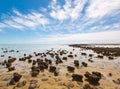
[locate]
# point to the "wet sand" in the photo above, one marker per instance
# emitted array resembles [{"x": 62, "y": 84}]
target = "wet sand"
[{"x": 47, "y": 80}]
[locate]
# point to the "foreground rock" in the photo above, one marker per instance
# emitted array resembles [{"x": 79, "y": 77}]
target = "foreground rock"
[
  {"x": 93, "y": 78},
  {"x": 16, "y": 78},
  {"x": 77, "y": 77}
]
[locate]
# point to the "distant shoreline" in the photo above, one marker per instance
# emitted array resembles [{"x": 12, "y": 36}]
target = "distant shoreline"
[{"x": 106, "y": 51}]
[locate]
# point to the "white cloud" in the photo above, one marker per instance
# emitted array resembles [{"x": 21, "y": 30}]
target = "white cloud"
[
  {"x": 68, "y": 17},
  {"x": 24, "y": 21},
  {"x": 111, "y": 27},
  {"x": 100, "y": 8},
  {"x": 71, "y": 9},
  {"x": 13, "y": 24}
]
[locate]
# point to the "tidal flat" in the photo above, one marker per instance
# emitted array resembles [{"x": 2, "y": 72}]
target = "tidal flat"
[{"x": 75, "y": 66}]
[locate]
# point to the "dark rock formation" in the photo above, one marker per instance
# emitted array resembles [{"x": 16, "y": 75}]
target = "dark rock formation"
[
  {"x": 70, "y": 55},
  {"x": 83, "y": 54},
  {"x": 93, "y": 78},
  {"x": 77, "y": 77},
  {"x": 100, "y": 56},
  {"x": 64, "y": 58},
  {"x": 90, "y": 60},
  {"x": 76, "y": 63},
  {"x": 16, "y": 76},
  {"x": 84, "y": 64},
  {"x": 8, "y": 65},
  {"x": 52, "y": 69},
  {"x": 35, "y": 71},
  {"x": 70, "y": 69},
  {"x": 29, "y": 61},
  {"x": 11, "y": 68}
]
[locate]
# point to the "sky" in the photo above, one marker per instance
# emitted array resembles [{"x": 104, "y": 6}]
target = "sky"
[{"x": 59, "y": 21}]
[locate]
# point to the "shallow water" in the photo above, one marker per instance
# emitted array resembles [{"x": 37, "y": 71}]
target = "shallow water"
[
  {"x": 27, "y": 49},
  {"x": 105, "y": 66}
]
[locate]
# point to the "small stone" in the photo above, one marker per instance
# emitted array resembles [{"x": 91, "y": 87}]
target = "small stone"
[
  {"x": 117, "y": 81},
  {"x": 33, "y": 81},
  {"x": 110, "y": 74},
  {"x": 32, "y": 86},
  {"x": 70, "y": 85},
  {"x": 12, "y": 82},
  {"x": 21, "y": 84},
  {"x": 44, "y": 79},
  {"x": 87, "y": 86}
]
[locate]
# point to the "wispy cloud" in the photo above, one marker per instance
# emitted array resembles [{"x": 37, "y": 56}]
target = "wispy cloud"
[
  {"x": 71, "y": 9},
  {"x": 72, "y": 17},
  {"x": 24, "y": 21},
  {"x": 100, "y": 8}
]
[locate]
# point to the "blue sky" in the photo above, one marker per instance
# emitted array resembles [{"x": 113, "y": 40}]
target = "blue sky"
[{"x": 59, "y": 21}]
